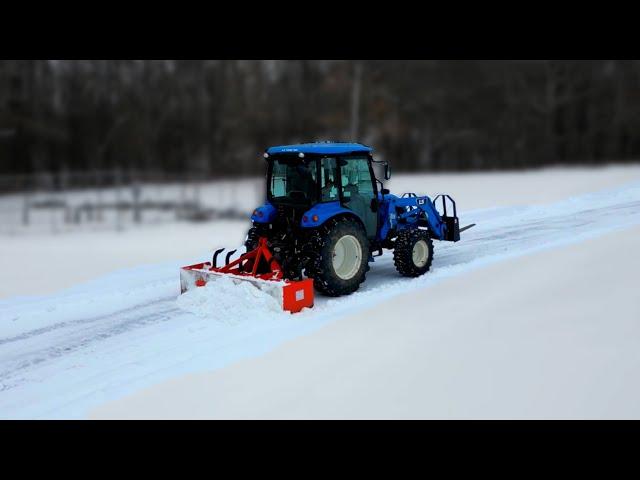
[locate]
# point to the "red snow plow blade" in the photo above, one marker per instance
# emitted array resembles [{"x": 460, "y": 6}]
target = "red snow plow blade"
[{"x": 293, "y": 296}]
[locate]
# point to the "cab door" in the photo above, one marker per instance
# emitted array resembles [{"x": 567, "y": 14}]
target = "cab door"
[{"x": 358, "y": 191}]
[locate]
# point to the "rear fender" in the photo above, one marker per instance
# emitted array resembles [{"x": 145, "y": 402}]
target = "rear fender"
[
  {"x": 264, "y": 213},
  {"x": 320, "y": 213}
]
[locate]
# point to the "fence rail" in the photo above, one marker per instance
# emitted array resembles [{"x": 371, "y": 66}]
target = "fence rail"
[{"x": 116, "y": 199}]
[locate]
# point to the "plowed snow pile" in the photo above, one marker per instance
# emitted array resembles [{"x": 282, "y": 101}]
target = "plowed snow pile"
[{"x": 226, "y": 301}]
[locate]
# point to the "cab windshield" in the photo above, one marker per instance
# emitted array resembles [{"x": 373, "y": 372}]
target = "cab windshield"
[{"x": 293, "y": 181}]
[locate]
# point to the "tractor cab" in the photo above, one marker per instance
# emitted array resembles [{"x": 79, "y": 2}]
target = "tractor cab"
[{"x": 316, "y": 180}]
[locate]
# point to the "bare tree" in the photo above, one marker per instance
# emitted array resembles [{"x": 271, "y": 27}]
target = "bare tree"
[{"x": 215, "y": 116}]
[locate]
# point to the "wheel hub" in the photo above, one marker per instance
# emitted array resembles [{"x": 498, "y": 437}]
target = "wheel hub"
[
  {"x": 347, "y": 255},
  {"x": 420, "y": 253}
]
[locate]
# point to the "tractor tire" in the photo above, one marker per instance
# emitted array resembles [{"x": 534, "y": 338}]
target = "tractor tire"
[
  {"x": 413, "y": 253},
  {"x": 341, "y": 258}
]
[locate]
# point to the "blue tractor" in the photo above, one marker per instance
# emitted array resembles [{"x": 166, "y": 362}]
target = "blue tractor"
[{"x": 327, "y": 216}]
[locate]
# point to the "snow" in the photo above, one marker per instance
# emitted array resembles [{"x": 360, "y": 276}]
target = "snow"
[
  {"x": 46, "y": 264},
  {"x": 67, "y": 258},
  {"x": 63, "y": 354},
  {"x": 507, "y": 341},
  {"x": 516, "y": 188},
  {"x": 217, "y": 298}
]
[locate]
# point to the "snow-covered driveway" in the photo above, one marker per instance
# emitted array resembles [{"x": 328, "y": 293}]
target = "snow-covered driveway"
[{"x": 63, "y": 354}]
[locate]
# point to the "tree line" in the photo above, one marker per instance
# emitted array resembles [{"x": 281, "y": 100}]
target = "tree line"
[{"x": 215, "y": 117}]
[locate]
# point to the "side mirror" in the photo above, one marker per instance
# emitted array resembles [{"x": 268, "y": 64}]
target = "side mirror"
[
  {"x": 387, "y": 172},
  {"x": 386, "y": 191}
]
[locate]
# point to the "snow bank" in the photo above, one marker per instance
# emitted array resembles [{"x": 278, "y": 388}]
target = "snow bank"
[
  {"x": 230, "y": 302},
  {"x": 47, "y": 264}
]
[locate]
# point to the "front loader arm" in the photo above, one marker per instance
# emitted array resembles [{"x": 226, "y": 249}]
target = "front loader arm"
[{"x": 420, "y": 210}]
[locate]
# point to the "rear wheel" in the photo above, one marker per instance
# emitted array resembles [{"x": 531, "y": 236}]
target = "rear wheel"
[
  {"x": 341, "y": 258},
  {"x": 413, "y": 253}
]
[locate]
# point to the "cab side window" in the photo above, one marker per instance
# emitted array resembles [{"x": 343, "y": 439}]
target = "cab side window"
[
  {"x": 356, "y": 178},
  {"x": 358, "y": 191},
  {"x": 328, "y": 179}
]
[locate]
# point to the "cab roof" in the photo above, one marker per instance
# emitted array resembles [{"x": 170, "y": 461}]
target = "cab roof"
[{"x": 321, "y": 148}]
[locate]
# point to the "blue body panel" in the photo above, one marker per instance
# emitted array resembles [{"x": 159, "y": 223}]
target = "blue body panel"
[
  {"x": 321, "y": 148},
  {"x": 324, "y": 211},
  {"x": 264, "y": 213}
]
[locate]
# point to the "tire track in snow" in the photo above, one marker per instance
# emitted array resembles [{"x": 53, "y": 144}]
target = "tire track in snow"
[
  {"x": 68, "y": 337},
  {"x": 74, "y": 323}
]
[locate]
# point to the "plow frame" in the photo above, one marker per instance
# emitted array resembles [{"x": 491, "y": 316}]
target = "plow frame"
[{"x": 293, "y": 296}]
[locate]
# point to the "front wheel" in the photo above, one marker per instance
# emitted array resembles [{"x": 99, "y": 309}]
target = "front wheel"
[
  {"x": 413, "y": 253},
  {"x": 341, "y": 258}
]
